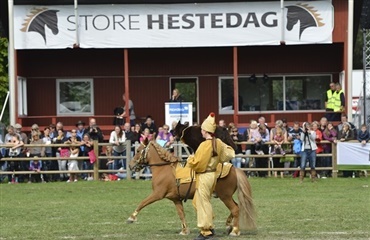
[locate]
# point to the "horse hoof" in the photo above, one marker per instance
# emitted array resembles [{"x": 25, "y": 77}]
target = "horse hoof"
[
  {"x": 130, "y": 220},
  {"x": 234, "y": 234},
  {"x": 185, "y": 232},
  {"x": 228, "y": 230}
]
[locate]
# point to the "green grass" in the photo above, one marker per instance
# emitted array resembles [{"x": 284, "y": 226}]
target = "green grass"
[{"x": 328, "y": 209}]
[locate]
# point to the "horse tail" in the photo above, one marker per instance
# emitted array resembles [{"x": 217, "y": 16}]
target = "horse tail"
[{"x": 247, "y": 214}]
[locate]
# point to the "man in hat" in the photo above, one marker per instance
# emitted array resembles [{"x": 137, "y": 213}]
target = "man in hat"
[
  {"x": 204, "y": 162},
  {"x": 18, "y": 129}
]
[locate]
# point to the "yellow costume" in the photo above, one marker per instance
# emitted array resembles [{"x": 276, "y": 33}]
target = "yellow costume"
[{"x": 204, "y": 163}]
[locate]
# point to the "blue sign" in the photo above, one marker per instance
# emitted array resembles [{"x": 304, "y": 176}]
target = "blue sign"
[{"x": 179, "y": 108}]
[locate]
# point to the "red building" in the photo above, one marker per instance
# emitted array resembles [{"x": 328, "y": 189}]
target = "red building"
[{"x": 58, "y": 83}]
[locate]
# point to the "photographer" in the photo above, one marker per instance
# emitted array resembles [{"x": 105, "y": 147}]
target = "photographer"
[
  {"x": 118, "y": 138},
  {"x": 94, "y": 131},
  {"x": 308, "y": 138}
]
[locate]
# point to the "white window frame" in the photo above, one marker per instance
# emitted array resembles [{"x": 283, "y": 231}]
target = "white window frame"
[
  {"x": 230, "y": 112},
  {"x": 91, "y": 81}
]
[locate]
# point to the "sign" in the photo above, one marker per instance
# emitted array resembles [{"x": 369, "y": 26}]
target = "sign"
[
  {"x": 178, "y": 111},
  {"x": 173, "y": 25},
  {"x": 353, "y": 156}
]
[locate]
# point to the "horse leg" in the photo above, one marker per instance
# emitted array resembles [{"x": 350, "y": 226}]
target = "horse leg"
[
  {"x": 232, "y": 222},
  {"x": 148, "y": 200},
  {"x": 180, "y": 211}
]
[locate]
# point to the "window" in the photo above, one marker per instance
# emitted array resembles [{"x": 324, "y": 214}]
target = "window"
[
  {"x": 75, "y": 97},
  {"x": 274, "y": 93}
]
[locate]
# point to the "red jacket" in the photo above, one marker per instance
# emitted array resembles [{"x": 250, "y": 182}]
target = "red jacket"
[{"x": 318, "y": 140}]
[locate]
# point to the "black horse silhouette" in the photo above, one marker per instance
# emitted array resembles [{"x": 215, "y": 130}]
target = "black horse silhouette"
[
  {"x": 305, "y": 15},
  {"x": 38, "y": 19}
]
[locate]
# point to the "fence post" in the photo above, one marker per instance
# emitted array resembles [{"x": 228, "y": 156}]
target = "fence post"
[
  {"x": 96, "y": 163},
  {"x": 128, "y": 159},
  {"x": 334, "y": 160}
]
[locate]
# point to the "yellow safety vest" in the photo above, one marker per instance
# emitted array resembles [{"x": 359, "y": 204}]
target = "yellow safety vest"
[
  {"x": 330, "y": 103},
  {"x": 337, "y": 102}
]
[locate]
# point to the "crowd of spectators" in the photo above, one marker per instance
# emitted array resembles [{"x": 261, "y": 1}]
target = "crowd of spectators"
[{"x": 81, "y": 138}]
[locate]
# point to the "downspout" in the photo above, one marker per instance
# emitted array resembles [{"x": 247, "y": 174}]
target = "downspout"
[
  {"x": 127, "y": 92},
  {"x": 349, "y": 59},
  {"x": 236, "y": 85},
  {"x": 77, "y": 44},
  {"x": 282, "y": 39},
  {"x": 11, "y": 65}
]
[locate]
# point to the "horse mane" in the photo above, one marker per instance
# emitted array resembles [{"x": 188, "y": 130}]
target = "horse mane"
[
  {"x": 164, "y": 154},
  {"x": 314, "y": 13},
  {"x": 34, "y": 11}
]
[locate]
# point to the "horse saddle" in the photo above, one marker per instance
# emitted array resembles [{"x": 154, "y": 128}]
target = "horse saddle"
[{"x": 184, "y": 174}]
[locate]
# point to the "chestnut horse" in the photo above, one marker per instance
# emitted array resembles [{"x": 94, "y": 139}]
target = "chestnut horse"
[{"x": 164, "y": 185}]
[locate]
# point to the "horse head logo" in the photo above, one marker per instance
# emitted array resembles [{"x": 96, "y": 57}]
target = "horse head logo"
[
  {"x": 305, "y": 14},
  {"x": 38, "y": 19}
]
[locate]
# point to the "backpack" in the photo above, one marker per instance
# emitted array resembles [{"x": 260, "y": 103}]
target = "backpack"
[{"x": 297, "y": 146}]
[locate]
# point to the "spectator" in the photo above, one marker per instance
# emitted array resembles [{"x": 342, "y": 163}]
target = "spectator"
[
  {"x": 344, "y": 119},
  {"x": 94, "y": 131},
  {"x": 47, "y": 164},
  {"x": 237, "y": 160},
  {"x": 265, "y": 136},
  {"x": 176, "y": 96},
  {"x": 80, "y": 131},
  {"x": 173, "y": 127},
  {"x": 62, "y": 153},
  {"x": 137, "y": 132},
  {"x": 294, "y": 136},
  {"x": 35, "y": 165},
  {"x": 222, "y": 123},
  {"x": 323, "y": 124},
  {"x": 346, "y": 134},
  {"x": 278, "y": 140},
  {"x": 329, "y": 102},
  {"x": 61, "y": 126},
  {"x": 72, "y": 161},
  {"x": 254, "y": 136},
  {"x": 166, "y": 137},
  {"x": 88, "y": 144},
  {"x": 131, "y": 110},
  {"x": 53, "y": 131},
  {"x": 309, "y": 147},
  {"x": 130, "y": 135},
  {"x": 329, "y": 134},
  {"x": 118, "y": 138},
  {"x": 18, "y": 130},
  {"x": 319, "y": 160},
  {"x": 16, "y": 145},
  {"x": 149, "y": 124},
  {"x": 284, "y": 136},
  {"x": 34, "y": 130},
  {"x": 363, "y": 136},
  {"x": 36, "y": 151},
  {"x": 262, "y": 121}
]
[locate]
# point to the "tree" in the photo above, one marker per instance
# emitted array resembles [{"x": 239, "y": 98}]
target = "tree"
[{"x": 4, "y": 82}]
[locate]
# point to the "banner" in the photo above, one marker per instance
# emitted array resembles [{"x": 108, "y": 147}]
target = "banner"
[
  {"x": 173, "y": 25},
  {"x": 178, "y": 111},
  {"x": 353, "y": 156}
]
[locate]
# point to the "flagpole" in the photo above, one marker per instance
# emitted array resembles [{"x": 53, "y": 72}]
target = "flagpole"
[
  {"x": 282, "y": 40},
  {"x": 77, "y": 44}
]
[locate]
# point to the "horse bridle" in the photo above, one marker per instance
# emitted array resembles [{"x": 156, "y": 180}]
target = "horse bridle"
[{"x": 142, "y": 161}]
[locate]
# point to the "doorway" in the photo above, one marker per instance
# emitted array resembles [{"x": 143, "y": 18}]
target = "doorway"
[{"x": 188, "y": 87}]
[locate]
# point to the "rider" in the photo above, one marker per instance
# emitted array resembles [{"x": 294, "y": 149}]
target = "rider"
[{"x": 204, "y": 163}]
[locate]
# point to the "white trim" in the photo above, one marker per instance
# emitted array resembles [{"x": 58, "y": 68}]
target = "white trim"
[{"x": 58, "y": 110}]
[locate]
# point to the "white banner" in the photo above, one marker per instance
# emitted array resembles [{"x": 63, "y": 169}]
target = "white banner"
[
  {"x": 173, "y": 25},
  {"x": 353, "y": 156},
  {"x": 178, "y": 111}
]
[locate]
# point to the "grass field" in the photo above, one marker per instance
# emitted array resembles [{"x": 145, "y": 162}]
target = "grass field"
[{"x": 328, "y": 209}]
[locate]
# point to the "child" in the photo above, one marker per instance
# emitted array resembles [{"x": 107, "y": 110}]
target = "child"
[
  {"x": 73, "y": 164},
  {"x": 255, "y": 137},
  {"x": 278, "y": 141},
  {"x": 363, "y": 136},
  {"x": 36, "y": 166}
]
